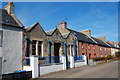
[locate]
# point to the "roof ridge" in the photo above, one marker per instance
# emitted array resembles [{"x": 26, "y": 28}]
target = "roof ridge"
[
  {"x": 91, "y": 38},
  {"x": 30, "y": 27},
  {"x": 17, "y": 20},
  {"x": 50, "y": 30}
]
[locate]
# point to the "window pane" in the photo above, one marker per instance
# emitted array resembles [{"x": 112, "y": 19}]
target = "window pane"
[
  {"x": 34, "y": 47},
  {"x": 39, "y": 48}
]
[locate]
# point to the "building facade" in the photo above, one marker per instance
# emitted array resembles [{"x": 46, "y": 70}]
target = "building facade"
[{"x": 10, "y": 40}]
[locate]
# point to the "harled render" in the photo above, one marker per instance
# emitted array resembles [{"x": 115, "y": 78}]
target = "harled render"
[{"x": 10, "y": 40}]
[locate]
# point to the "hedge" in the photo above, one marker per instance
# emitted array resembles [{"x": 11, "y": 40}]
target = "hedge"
[{"x": 102, "y": 58}]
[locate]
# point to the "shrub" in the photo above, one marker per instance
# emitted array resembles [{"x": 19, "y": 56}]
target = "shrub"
[
  {"x": 102, "y": 58},
  {"x": 99, "y": 58},
  {"x": 109, "y": 57},
  {"x": 96, "y": 58},
  {"x": 117, "y": 54}
]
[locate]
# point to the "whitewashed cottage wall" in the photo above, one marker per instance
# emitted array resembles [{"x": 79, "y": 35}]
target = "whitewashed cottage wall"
[{"x": 12, "y": 49}]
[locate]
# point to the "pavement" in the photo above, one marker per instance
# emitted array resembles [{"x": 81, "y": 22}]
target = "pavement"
[{"x": 105, "y": 70}]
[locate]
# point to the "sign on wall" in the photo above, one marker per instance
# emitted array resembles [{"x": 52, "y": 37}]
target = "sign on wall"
[{"x": 1, "y": 37}]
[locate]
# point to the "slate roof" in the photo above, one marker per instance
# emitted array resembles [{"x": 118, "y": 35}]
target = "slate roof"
[
  {"x": 31, "y": 27},
  {"x": 10, "y": 20},
  {"x": 50, "y": 32},
  {"x": 112, "y": 46},
  {"x": 82, "y": 37},
  {"x": 100, "y": 42},
  {"x": 65, "y": 35}
]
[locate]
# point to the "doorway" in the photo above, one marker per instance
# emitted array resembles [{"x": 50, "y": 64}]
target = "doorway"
[
  {"x": 90, "y": 56},
  {"x": 56, "y": 52}
]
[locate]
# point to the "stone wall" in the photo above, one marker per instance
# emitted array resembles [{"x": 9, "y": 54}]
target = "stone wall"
[{"x": 37, "y": 34}]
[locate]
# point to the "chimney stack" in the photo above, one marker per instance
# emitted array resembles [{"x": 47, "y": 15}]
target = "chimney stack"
[
  {"x": 9, "y": 7},
  {"x": 87, "y": 32},
  {"x": 62, "y": 25},
  {"x": 110, "y": 42},
  {"x": 102, "y": 38}
]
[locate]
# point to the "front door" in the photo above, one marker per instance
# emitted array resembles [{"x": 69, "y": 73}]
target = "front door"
[{"x": 56, "y": 52}]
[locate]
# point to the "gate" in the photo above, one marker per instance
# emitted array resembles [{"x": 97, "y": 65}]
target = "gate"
[{"x": 67, "y": 62}]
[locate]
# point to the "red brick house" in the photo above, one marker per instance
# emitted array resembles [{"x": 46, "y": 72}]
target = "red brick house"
[
  {"x": 86, "y": 44},
  {"x": 104, "y": 49}
]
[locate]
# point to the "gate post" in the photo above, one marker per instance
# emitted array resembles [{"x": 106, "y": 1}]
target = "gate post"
[
  {"x": 85, "y": 58},
  {"x": 34, "y": 66},
  {"x": 71, "y": 62},
  {"x": 64, "y": 62},
  {"x": 64, "y": 57}
]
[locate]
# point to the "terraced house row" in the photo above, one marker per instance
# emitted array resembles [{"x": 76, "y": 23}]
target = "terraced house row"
[
  {"x": 63, "y": 40},
  {"x": 18, "y": 43}
]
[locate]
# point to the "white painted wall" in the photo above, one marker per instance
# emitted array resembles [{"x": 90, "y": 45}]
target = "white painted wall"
[
  {"x": 113, "y": 50},
  {"x": 72, "y": 62},
  {"x": 50, "y": 68},
  {"x": 27, "y": 68},
  {"x": 11, "y": 49},
  {"x": 34, "y": 66},
  {"x": 79, "y": 63}
]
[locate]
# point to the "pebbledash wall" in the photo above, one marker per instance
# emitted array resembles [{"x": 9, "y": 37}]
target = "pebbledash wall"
[{"x": 11, "y": 49}]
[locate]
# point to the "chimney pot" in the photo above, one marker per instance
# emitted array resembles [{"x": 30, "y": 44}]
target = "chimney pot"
[{"x": 9, "y": 7}]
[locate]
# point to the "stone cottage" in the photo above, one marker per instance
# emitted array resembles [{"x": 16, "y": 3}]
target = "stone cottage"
[{"x": 51, "y": 44}]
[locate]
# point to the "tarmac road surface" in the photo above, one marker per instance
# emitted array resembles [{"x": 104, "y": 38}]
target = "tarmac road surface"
[{"x": 106, "y": 70}]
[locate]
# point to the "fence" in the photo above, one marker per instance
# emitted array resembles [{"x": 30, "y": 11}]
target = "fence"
[
  {"x": 17, "y": 76},
  {"x": 78, "y": 58},
  {"x": 57, "y": 64},
  {"x": 53, "y": 59}
]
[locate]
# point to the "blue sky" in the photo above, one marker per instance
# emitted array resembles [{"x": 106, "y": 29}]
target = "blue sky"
[{"x": 100, "y": 17}]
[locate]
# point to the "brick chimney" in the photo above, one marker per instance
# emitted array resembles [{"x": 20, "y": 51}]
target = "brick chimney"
[
  {"x": 102, "y": 38},
  {"x": 87, "y": 32},
  {"x": 62, "y": 25},
  {"x": 9, "y": 7}
]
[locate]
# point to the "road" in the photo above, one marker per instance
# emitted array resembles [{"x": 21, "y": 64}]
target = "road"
[{"x": 106, "y": 70}]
